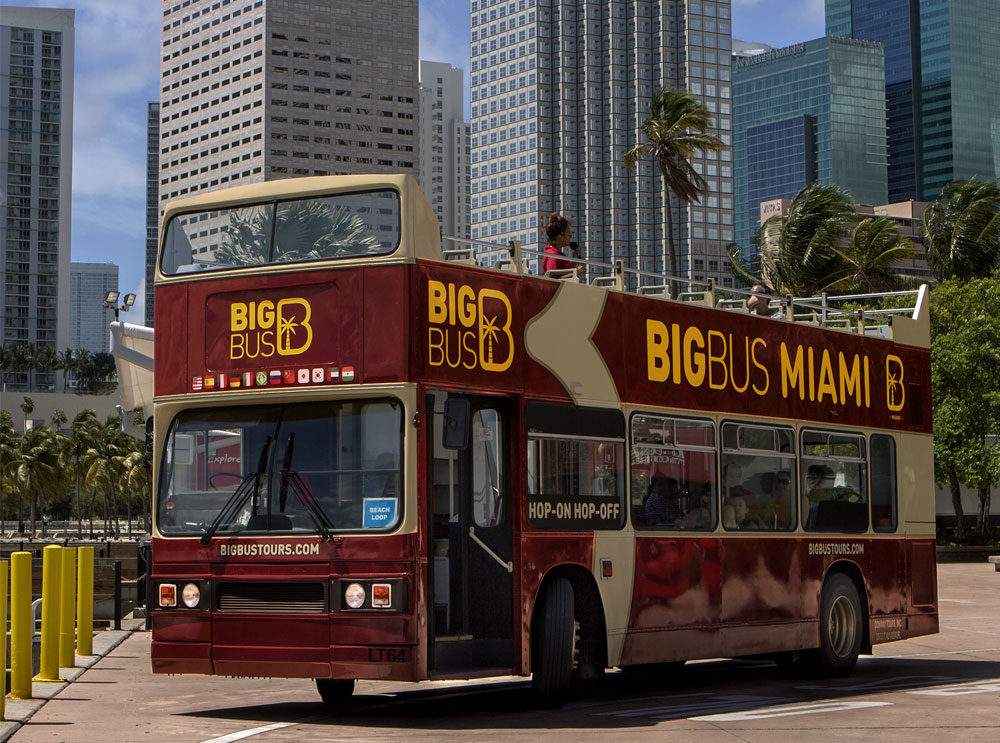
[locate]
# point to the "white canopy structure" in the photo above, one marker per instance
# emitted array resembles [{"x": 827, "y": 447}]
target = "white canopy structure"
[{"x": 132, "y": 347}]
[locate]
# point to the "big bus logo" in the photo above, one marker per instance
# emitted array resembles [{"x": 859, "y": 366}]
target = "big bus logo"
[
  {"x": 468, "y": 328},
  {"x": 264, "y": 329}
]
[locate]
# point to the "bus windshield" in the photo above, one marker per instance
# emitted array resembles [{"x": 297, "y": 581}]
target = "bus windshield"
[
  {"x": 337, "y": 227},
  {"x": 305, "y": 468}
]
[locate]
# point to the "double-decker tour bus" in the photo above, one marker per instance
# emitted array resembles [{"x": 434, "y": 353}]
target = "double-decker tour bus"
[{"x": 376, "y": 463}]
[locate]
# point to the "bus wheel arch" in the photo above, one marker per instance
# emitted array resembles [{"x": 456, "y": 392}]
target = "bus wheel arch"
[
  {"x": 842, "y": 623},
  {"x": 589, "y": 648},
  {"x": 853, "y": 571}
]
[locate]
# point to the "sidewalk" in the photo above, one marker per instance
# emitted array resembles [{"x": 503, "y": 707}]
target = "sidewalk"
[{"x": 18, "y": 711}]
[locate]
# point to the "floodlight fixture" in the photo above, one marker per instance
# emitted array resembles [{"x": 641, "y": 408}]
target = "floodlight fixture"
[
  {"x": 128, "y": 301},
  {"x": 111, "y": 298}
]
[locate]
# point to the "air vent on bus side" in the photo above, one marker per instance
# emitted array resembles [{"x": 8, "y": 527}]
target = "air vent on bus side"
[{"x": 272, "y": 597}]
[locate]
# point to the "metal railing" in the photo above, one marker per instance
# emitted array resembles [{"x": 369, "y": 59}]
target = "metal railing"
[{"x": 822, "y": 310}]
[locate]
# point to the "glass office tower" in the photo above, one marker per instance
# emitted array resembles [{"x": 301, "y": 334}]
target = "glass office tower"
[
  {"x": 808, "y": 112},
  {"x": 942, "y": 70}
]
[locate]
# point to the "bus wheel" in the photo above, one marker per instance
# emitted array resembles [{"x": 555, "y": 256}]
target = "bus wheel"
[
  {"x": 553, "y": 644},
  {"x": 335, "y": 692},
  {"x": 840, "y": 628}
]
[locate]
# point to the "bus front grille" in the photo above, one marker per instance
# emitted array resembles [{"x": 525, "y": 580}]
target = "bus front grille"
[{"x": 272, "y": 597}]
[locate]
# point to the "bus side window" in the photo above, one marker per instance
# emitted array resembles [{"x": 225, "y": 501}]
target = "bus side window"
[{"x": 883, "y": 469}]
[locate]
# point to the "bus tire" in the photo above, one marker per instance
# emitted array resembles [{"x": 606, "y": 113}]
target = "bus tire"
[
  {"x": 841, "y": 623},
  {"x": 335, "y": 692},
  {"x": 553, "y": 644}
]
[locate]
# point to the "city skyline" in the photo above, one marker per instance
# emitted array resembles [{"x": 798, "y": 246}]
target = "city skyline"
[{"x": 115, "y": 82}]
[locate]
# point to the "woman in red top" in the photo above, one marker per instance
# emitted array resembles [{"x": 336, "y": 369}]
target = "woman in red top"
[{"x": 559, "y": 232}]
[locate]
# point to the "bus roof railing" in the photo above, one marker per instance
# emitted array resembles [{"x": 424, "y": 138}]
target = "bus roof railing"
[{"x": 823, "y": 310}]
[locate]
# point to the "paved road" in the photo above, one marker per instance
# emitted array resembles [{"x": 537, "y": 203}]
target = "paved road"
[{"x": 945, "y": 686}]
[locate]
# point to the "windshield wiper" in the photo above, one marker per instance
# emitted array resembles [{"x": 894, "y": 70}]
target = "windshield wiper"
[
  {"x": 247, "y": 487},
  {"x": 300, "y": 490}
]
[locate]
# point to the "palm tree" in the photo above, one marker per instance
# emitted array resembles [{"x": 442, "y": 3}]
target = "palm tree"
[
  {"x": 58, "y": 419},
  {"x": 136, "y": 476},
  {"x": 27, "y": 407},
  {"x": 83, "y": 431},
  {"x": 83, "y": 365},
  {"x": 961, "y": 230},
  {"x": 675, "y": 133},
  {"x": 8, "y": 452},
  {"x": 67, "y": 363},
  {"x": 306, "y": 230},
  {"x": 871, "y": 256},
  {"x": 102, "y": 462},
  {"x": 46, "y": 359},
  {"x": 35, "y": 469},
  {"x": 797, "y": 253}
]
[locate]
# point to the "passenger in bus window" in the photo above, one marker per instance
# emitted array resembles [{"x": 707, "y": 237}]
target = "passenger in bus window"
[
  {"x": 699, "y": 511},
  {"x": 780, "y": 491},
  {"x": 559, "y": 232},
  {"x": 818, "y": 487},
  {"x": 736, "y": 515},
  {"x": 732, "y": 476},
  {"x": 662, "y": 505},
  {"x": 761, "y": 305}
]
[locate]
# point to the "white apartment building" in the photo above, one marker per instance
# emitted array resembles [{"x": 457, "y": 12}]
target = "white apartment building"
[
  {"x": 559, "y": 93},
  {"x": 89, "y": 321},
  {"x": 36, "y": 158},
  {"x": 444, "y": 146},
  {"x": 254, "y": 90},
  {"x": 152, "y": 203}
]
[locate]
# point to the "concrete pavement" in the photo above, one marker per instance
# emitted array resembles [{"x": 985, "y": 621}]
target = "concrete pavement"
[{"x": 18, "y": 711}]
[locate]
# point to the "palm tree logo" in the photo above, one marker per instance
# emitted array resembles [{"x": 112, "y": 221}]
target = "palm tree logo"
[
  {"x": 290, "y": 327},
  {"x": 895, "y": 393},
  {"x": 491, "y": 333}
]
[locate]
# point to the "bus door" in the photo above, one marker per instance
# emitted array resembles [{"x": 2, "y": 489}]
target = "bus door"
[{"x": 471, "y": 579}]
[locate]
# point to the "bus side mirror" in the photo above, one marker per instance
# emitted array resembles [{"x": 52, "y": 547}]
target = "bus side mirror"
[
  {"x": 149, "y": 435},
  {"x": 456, "y": 424}
]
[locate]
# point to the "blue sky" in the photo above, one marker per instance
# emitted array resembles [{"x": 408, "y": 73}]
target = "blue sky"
[{"x": 117, "y": 71}]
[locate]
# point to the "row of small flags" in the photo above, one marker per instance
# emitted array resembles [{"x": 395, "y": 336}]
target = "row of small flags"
[{"x": 273, "y": 378}]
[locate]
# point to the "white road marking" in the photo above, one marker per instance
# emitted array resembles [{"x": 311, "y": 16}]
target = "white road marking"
[
  {"x": 242, "y": 734},
  {"x": 790, "y": 711},
  {"x": 972, "y": 687}
]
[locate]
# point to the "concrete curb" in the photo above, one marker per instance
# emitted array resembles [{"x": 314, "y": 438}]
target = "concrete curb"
[{"x": 19, "y": 711}]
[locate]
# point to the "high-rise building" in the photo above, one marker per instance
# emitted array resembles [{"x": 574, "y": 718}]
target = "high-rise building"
[
  {"x": 559, "y": 93},
  {"x": 942, "y": 74},
  {"x": 809, "y": 112},
  {"x": 89, "y": 325},
  {"x": 444, "y": 146},
  {"x": 254, "y": 90},
  {"x": 152, "y": 201},
  {"x": 36, "y": 156}
]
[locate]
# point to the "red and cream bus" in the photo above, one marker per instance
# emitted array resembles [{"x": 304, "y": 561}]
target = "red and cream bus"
[{"x": 375, "y": 463}]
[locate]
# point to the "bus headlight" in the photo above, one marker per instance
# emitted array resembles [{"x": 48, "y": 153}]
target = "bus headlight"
[
  {"x": 191, "y": 595},
  {"x": 354, "y": 596}
]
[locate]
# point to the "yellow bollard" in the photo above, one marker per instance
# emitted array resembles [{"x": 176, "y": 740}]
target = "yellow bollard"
[
  {"x": 85, "y": 602},
  {"x": 51, "y": 595},
  {"x": 3, "y": 645},
  {"x": 67, "y": 606},
  {"x": 22, "y": 626}
]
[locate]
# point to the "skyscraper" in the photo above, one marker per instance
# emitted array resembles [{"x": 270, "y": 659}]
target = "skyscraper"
[
  {"x": 36, "y": 154},
  {"x": 942, "y": 72},
  {"x": 559, "y": 93},
  {"x": 89, "y": 320},
  {"x": 152, "y": 201},
  {"x": 808, "y": 112},
  {"x": 444, "y": 146},
  {"x": 253, "y": 90}
]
